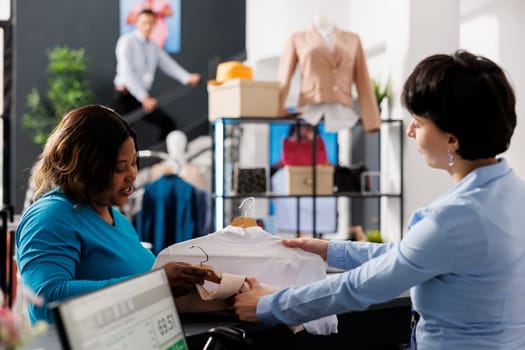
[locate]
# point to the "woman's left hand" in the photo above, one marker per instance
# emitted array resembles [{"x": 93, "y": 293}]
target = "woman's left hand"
[
  {"x": 245, "y": 304},
  {"x": 183, "y": 277}
]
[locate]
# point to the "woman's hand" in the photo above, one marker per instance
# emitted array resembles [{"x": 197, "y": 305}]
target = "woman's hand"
[
  {"x": 182, "y": 277},
  {"x": 312, "y": 245},
  {"x": 245, "y": 304}
]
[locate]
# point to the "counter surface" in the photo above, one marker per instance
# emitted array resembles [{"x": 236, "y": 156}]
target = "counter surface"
[{"x": 381, "y": 326}]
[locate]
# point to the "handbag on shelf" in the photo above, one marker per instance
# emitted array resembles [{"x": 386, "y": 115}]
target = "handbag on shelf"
[
  {"x": 301, "y": 152},
  {"x": 249, "y": 180},
  {"x": 348, "y": 179}
]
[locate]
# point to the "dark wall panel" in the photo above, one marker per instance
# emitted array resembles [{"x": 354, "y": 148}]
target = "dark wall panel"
[{"x": 211, "y": 29}]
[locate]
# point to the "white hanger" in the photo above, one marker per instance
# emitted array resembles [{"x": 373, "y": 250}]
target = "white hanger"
[{"x": 245, "y": 221}]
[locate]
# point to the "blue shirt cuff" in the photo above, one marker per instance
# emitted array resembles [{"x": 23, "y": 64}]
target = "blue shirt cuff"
[
  {"x": 335, "y": 256},
  {"x": 264, "y": 310}
]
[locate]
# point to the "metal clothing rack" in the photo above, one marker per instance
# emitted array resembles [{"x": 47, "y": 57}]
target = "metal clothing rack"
[{"x": 218, "y": 132}]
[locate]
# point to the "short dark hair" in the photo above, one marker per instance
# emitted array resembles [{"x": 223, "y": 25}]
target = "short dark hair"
[
  {"x": 146, "y": 12},
  {"x": 467, "y": 96},
  {"x": 80, "y": 155}
]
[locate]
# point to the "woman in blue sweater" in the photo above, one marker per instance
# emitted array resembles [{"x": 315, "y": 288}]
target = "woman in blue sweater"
[
  {"x": 72, "y": 240},
  {"x": 463, "y": 257}
]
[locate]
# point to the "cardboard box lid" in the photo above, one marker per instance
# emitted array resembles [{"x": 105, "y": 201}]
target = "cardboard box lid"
[
  {"x": 236, "y": 83},
  {"x": 307, "y": 169}
]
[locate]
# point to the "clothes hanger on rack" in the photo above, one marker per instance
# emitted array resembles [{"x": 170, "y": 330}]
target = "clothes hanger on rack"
[
  {"x": 171, "y": 165},
  {"x": 145, "y": 153},
  {"x": 245, "y": 221},
  {"x": 213, "y": 276}
]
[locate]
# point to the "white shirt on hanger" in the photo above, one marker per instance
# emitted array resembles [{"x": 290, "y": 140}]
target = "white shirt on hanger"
[{"x": 254, "y": 252}]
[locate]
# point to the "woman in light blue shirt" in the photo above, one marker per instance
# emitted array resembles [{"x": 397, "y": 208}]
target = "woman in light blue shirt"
[
  {"x": 463, "y": 256},
  {"x": 72, "y": 240}
]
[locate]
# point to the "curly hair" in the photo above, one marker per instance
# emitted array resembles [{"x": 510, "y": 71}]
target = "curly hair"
[
  {"x": 467, "y": 96},
  {"x": 80, "y": 154}
]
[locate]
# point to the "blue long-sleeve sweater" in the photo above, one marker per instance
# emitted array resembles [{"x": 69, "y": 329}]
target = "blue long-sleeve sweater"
[{"x": 63, "y": 250}]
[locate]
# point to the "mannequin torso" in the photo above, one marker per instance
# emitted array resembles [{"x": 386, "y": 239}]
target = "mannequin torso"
[{"x": 325, "y": 27}]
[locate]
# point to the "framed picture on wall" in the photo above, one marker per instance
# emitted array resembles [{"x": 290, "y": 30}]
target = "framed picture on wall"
[{"x": 167, "y": 30}]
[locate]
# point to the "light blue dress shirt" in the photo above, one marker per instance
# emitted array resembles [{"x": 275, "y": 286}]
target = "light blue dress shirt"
[
  {"x": 137, "y": 61},
  {"x": 463, "y": 258},
  {"x": 64, "y": 250}
]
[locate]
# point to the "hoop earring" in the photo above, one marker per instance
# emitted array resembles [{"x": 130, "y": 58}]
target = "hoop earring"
[{"x": 450, "y": 158}]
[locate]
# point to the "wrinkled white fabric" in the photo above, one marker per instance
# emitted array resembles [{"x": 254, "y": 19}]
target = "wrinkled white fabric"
[{"x": 230, "y": 285}]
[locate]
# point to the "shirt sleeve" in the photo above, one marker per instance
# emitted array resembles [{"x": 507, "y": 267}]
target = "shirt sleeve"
[
  {"x": 348, "y": 255},
  {"x": 170, "y": 67},
  {"x": 420, "y": 256},
  {"x": 124, "y": 52},
  {"x": 368, "y": 108},
  {"x": 287, "y": 66}
]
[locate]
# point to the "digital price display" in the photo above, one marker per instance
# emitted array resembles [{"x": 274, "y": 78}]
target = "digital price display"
[{"x": 139, "y": 313}]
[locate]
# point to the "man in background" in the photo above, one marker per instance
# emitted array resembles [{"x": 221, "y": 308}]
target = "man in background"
[
  {"x": 137, "y": 60},
  {"x": 161, "y": 9}
]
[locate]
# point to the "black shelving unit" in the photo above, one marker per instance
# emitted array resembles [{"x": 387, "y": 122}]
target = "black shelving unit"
[{"x": 220, "y": 195}]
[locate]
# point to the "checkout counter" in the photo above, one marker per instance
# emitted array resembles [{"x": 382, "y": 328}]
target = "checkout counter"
[{"x": 380, "y": 327}]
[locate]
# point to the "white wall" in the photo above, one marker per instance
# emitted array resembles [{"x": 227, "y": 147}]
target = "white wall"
[
  {"x": 396, "y": 35},
  {"x": 269, "y": 23},
  {"x": 495, "y": 28}
]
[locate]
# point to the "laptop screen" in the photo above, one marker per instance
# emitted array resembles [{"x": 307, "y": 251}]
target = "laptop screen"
[{"x": 138, "y": 313}]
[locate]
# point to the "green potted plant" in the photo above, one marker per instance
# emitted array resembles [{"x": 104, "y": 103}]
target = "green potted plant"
[
  {"x": 381, "y": 92},
  {"x": 68, "y": 88}
]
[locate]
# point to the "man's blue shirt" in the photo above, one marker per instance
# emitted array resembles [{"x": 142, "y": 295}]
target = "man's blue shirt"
[{"x": 137, "y": 62}]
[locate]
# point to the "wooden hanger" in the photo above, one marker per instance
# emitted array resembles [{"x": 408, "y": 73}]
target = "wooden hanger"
[
  {"x": 172, "y": 166},
  {"x": 245, "y": 221},
  {"x": 213, "y": 276}
]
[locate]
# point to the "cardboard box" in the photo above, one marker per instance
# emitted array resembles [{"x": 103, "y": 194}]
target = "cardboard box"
[
  {"x": 243, "y": 98},
  {"x": 299, "y": 179}
]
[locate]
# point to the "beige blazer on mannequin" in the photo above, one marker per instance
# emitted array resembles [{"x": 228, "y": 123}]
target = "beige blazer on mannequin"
[{"x": 327, "y": 75}]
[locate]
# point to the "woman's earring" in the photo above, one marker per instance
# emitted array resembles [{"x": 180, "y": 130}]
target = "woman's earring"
[{"x": 450, "y": 157}]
